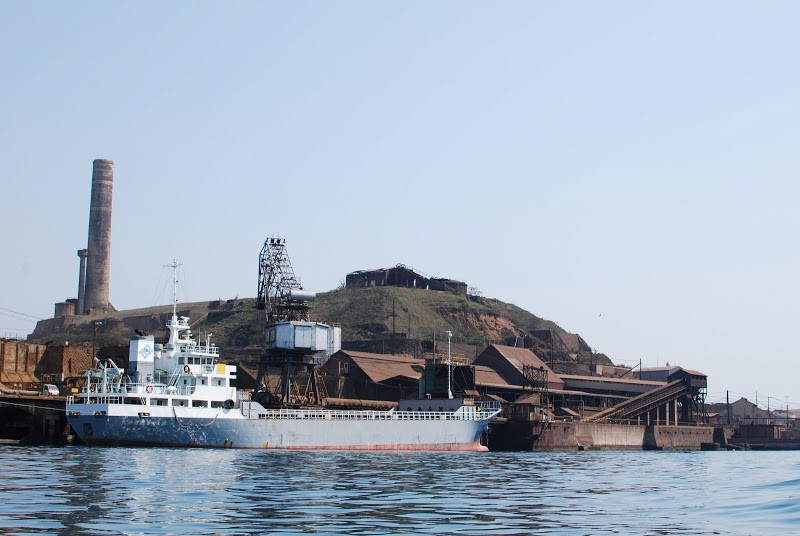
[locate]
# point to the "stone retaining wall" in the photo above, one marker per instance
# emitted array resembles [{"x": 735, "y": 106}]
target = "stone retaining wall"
[{"x": 568, "y": 435}]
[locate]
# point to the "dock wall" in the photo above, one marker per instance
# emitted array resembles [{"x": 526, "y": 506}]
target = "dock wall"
[
  {"x": 678, "y": 437},
  {"x": 559, "y": 435},
  {"x": 33, "y": 420},
  {"x": 568, "y": 435}
]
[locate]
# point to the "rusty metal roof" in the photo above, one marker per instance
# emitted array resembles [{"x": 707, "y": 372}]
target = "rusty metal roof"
[
  {"x": 631, "y": 381},
  {"x": 381, "y": 367},
  {"x": 519, "y": 358},
  {"x": 586, "y": 393},
  {"x": 15, "y": 377},
  {"x": 694, "y": 372},
  {"x": 487, "y": 377},
  {"x": 532, "y": 398}
]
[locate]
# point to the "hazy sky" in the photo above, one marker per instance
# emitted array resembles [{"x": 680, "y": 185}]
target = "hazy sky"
[{"x": 629, "y": 170}]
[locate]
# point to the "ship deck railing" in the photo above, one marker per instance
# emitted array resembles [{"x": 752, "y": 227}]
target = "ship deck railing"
[
  {"x": 138, "y": 390},
  {"x": 198, "y": 349},
  {"x": 365, "y": 415},
  {"x": 102, "y": 399}
]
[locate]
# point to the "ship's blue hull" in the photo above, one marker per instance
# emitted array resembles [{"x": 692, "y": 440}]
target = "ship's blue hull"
[{"x": 222, "y": 428}]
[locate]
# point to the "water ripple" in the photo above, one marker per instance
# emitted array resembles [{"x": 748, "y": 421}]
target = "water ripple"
[{"x": 175, "y": 491}]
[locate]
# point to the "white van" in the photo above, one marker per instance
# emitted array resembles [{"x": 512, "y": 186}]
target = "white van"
[{"x": 49, "y": 389}]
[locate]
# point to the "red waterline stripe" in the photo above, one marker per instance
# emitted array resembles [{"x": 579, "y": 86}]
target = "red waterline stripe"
[{"x": 460, "y": 447}]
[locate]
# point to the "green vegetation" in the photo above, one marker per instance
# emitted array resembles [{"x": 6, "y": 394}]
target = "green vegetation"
[{"x": 364, "y": 314}]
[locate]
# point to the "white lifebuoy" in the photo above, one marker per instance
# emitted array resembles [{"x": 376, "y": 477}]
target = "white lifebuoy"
[
  {"x": 149, "y": 389},
  {"x": 186, "y": 369}
]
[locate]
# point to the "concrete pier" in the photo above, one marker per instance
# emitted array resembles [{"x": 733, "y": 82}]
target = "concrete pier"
[
  {"x": 33, "y": 420},
  {"x": 564, "y": 435}
]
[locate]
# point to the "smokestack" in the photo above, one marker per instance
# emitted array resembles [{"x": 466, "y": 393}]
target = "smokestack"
[
  {"x": 79, "y": 306},
  {"x": 98, "y": 264}
]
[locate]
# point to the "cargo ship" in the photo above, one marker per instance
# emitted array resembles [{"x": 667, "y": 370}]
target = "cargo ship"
[{"x": 179, "y": 394}]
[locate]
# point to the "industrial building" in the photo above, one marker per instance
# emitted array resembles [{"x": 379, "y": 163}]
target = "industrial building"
[{"x": 594, "y": 411}]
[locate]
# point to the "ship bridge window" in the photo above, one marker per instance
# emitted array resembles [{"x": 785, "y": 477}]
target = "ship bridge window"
[
  {"x": 178, "y": 402},
  {"x": 219, "y": 382},
  {"x": 181, "y": 360},
  {"x": 199, "y": 404},
  {"x": 203, "y": 381}
]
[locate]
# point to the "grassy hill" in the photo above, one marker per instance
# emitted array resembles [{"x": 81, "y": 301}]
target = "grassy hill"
[
  {"x": 364, "y": 314},
  {"x": 369, "y": 312}
]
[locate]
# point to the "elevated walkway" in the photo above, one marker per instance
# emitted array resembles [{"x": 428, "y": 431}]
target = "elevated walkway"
[{"x": 639, "y": 405}]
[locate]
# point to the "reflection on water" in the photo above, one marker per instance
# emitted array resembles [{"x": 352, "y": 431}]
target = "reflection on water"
[{"x": 180, "y": 491}]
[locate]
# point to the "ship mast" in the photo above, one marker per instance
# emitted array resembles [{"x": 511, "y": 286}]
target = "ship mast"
[
  {"x": 174, "y": 267},
  {"x": 173, "y": 325}
]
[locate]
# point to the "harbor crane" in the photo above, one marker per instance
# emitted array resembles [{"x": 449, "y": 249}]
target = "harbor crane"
[
  {"x": 294, "y": 344},
  {"x": 280, "y": 293}
]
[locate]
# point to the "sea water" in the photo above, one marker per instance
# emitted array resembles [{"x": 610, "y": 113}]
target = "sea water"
[{"x": 82, "y": 490}]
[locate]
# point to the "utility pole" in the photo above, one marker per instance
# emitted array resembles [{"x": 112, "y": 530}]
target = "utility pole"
[
  {"x": 449, "y": 364},
  {"x": 728, "y": 405},
  {"x": 94, "y": 338}
]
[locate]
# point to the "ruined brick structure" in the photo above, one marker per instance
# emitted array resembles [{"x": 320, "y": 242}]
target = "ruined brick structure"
[
  {"x": 401, "y": 276},
  {"x": 18, "y": 361}
]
